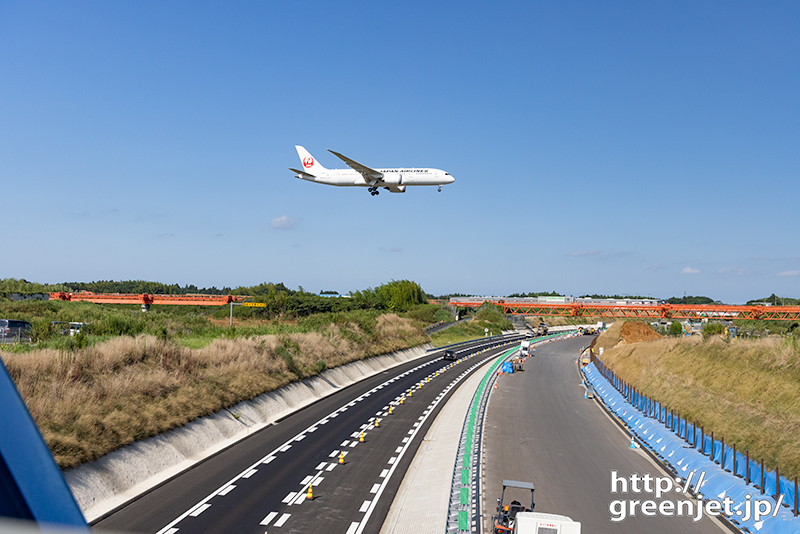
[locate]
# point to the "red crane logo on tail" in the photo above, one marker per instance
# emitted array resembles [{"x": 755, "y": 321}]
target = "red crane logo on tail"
[{"x": 308, "y": 162}]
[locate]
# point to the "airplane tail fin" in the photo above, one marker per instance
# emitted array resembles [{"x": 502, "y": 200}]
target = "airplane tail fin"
[{"x": 310, "y": 163}]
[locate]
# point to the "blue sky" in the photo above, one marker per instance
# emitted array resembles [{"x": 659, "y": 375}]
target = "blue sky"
[{"x": 598, "y": 147}]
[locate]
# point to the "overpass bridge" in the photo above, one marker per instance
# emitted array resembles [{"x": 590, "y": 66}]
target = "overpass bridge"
[
  {"x": 146, "y": 299},
  {"x": 652, "y": 311}
]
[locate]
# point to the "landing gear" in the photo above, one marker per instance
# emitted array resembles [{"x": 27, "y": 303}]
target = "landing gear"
[
  {"x": 440, "y": 188},
  {"x": 373, "y": 191}
]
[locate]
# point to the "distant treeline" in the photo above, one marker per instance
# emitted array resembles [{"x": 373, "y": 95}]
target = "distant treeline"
[{"x": 397, "y": 295}]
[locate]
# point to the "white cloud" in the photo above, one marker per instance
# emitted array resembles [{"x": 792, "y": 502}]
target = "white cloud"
[
  {"x": 789, "y": 273},
  {"x": 283, "y": 222},
  {"x": 689, "y": 270}
]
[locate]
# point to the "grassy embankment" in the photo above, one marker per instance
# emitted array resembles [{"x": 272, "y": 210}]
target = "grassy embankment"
[
  {"x": 117, "y": 389},
  {"x": 489, "y": 317},
  {"x": 747, "y": 391}
]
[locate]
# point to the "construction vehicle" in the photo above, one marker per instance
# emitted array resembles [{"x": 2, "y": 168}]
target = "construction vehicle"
[
  {"x": 504, "y": 520},
  {"x": 541, "y": 330},
  {"x": 525, "y": 348},
  {"x": 516, "y": 519}
]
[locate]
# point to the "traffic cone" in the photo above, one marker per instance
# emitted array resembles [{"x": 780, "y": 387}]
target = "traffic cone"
[
  {"x": 310, "y": 494},
  {"x": 377, "y": 422},
  {"x": 341, "y": 457},
  {"x": 633, "y": 444},
  {"x": 402, "y": 399},
  {"x": 410, "y": 393},
  {"x": 390, "y": 410},
  {"x": 361, "y": 438},
  {"x": 495, "y": 385}
]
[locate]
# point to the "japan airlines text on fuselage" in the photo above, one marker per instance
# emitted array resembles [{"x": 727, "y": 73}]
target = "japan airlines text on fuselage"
[{"x": 358, "y": 175}]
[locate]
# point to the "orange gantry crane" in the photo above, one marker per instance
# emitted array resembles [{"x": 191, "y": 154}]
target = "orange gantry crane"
[{"x": 644, "y": 311}]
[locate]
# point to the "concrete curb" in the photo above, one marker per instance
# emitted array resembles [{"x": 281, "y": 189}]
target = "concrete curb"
[{"x": 118, "y": 477}]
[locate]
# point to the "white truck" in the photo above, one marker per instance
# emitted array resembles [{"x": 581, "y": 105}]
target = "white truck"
[{"x": 525, "y": 348}]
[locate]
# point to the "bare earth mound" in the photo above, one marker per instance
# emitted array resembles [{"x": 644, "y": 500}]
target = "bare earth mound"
[{"x": 636, "y": 332}]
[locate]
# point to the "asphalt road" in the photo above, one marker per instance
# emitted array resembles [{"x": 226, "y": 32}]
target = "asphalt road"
[
  {"x": 540, "y": 429},
  {"x": 261, "y": 483}
]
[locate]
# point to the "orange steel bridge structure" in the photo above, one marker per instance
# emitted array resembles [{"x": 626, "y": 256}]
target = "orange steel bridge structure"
[
  {"x": 643, "y": 311},
  {"x": 144, "y": 298}
]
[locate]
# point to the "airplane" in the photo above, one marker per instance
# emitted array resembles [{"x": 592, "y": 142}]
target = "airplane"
[{"x": 358, "y": 175}]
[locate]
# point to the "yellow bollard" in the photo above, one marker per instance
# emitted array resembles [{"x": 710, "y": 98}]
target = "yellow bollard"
[{"x": 310, "y": 494}]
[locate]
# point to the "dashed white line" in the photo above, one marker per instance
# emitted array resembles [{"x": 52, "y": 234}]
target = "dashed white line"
[
  {"x": 301, "y": 437},
  {"x": 398, "y": 449},
  {"x": 199, "y": 510},
  {"x": 270, "y": 517},
  {"x": 307, "y": 479},
  {"x": 374, "y": 489},
  {"x": 289, "y": 497},
  {"x": 250, "y": 473},
  {"x": 330, "y": 467},
  {"x": 353, "y": 444},
  {"x": 384, "y": 473},
  {"x": 268, "y": 459},
  {"x": 353, "y": 528},
  {"x": 345, "y": 443},
  {"x": 392, "y": 459},
  {"x": 227, "y": 490},
  {"x": 334, "y": 453},
  {"x": 322, "y": 465},
  {"x": 282, "y": 520},
  {"x": 285, "y": 448},
  {"x": 364, "y": 506}
]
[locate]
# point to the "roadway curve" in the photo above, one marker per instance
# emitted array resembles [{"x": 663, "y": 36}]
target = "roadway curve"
[
  {"x": 260, "y": 483},
  {"x": 539, "y": 428}
]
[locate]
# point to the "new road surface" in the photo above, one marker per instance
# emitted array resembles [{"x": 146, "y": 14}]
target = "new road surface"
[
  {"x": 540, "y": 429},
  {"x": 333, "y": 448}
]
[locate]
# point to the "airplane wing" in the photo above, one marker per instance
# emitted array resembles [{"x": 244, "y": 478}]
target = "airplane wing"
[
  {"x": 302, "y": 173},
  {"x": 370, "y": 175}
]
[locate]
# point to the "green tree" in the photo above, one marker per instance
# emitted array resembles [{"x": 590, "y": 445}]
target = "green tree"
[{"x": 675, "y": 329}]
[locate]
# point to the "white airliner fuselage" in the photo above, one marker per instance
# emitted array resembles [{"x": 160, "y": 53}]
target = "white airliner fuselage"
[{"x": 358, "y": 175}]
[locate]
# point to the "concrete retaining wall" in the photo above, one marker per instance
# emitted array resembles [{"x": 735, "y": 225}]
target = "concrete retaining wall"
[{"x": 120, "y": 476}]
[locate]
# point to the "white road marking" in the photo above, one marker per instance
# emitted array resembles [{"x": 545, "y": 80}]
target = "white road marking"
[
  {"x": 398, "y": 449},
  {"x": 270, "y": 517},
  {"x": 384, "y": 473},
  {"x": 289, "y": 497},
  {"x": 354, "y": 435},
  {"x": 227, "y": 490},
  {"x": 353, "y": 528},
  {"x": 301, "y": 497},
  {"x": 322, "y": 465},
  {"x": 317, "y": 481},
  {"x": 250, "y": 473},
  {"x": 330, "y": 467},
  {"x": 312, "y": 429},
  {"x": 171, "y": 531},
  {"x": 345, "y": 443},
  {"x": 364, "y": 506},
  {"x": 353, "y": 444},
  {"x": 301, "y": 437},
  {"x": 205, "y": 507},
  {"x": 392, "y": 459},
  {"x": 334, "y": 453},
  {"x": 307, "y": 479},
  {"x": 282, "y": 520},
  {"x": 405, "y": 440},
  {"x": 285, "y": 448},
  {"x": 268, "y": 459},
  {"x": 375, "y": 488}
]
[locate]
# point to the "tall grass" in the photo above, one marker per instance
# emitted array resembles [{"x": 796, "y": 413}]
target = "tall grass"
[
  {"x": 88, "y": 402},
  {"x": 746, "y": 391}
]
